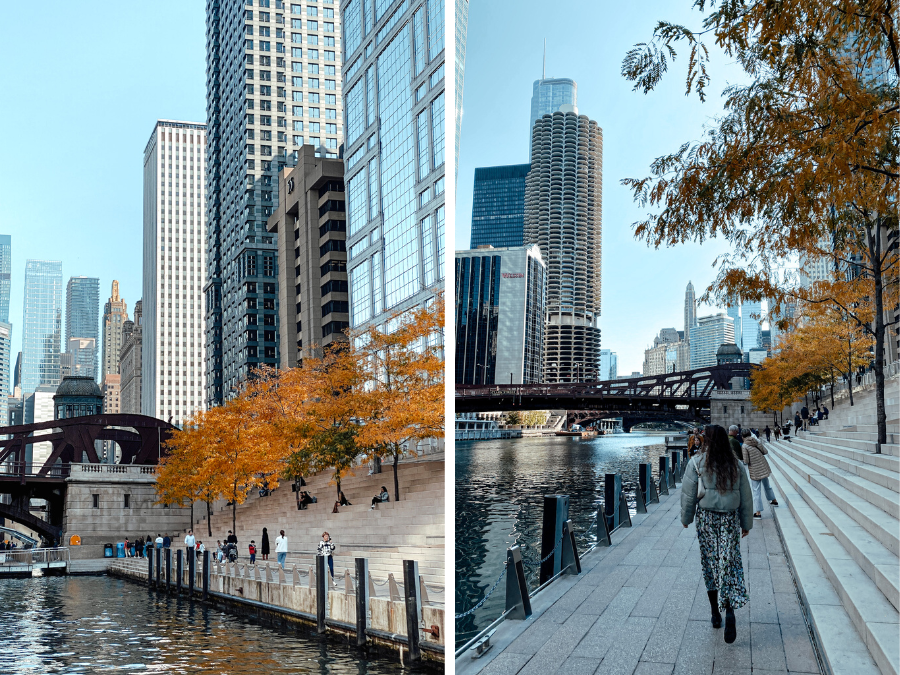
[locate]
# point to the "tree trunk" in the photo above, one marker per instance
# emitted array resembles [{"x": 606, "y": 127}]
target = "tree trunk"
[
  {"x": 850, "y": 370},
  {"x": 396, "y": 478},
  {"x": 234, "y": 517},
  {"x": 880, "y": 414},
  {"x": 192, "y": 515},
  {"x": 209, "y": 517},
  {"x": 339, "y": 490}
]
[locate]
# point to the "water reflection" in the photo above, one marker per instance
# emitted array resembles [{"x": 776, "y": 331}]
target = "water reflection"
[
  {"x": 93, "y": 624},
  {"x": 499, "y": 499}
]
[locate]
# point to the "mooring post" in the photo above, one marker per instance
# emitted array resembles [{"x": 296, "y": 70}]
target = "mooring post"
[
  {"x": 168, "y": 570},
  {"x": 612, "y": 488},
  {"x": 676, "y": 467},
  {"x": 571, "y": 563},
  {"x": 413, "y": 608},
  {"x": 158, "y": 565},
  {"x": 640, "y": 501},
  {"x": 150, "y": 567},
  {"x": 624, "y": 513},
  {"x": 205, "y": 574},
  {"x": 647, "y": 484},
  {"x": 556, "y": 512},
  {"x": 321, "y": 590},
  {"x": 179, "y": 570},
  {"x": 192, "y": 561},
  {"x": 362, "y": 600},
  {"x": 518, "y": 601},
  {"x": 664, "y": 475}
]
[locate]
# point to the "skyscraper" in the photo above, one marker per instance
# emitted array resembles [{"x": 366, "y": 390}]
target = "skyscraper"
[
  {"x": 549, "y": 96},
  {"x": 115, "y": 313},
  {"x": 609, "y": 365},
  {"x": 710, "y": 333},
  {"x": 690, "y": 311},
  {"x": 462, "y": 31},
  {"x": 751, "y": 331},
  {"x": 83, "y": 321},
  {"x": 563, "y": 200},
  {"x": 5, "y": 275},
  {"x": 173, "y": 313},
  {"x": 498, "y": 205},
  {"x": 130, "y": 362},
  {"x": 41, "y": 324},
  {"x": 734, "y": 311},
  {"x": 273, "y": 85},
  {"x": 5, "y": 369},
  {"x": 394, "y": 107}
]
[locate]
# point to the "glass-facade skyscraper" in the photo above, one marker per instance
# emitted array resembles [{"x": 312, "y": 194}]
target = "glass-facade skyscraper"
[
  {"x": 394, "y": 155},
  {"x": 549, "y": 96},
  {"x": 498, "y": 205},
  {"x": 83, "y": 320},
  {"x": 5, "y": 275},
  {"x": 273, "y": 85},
  {"x": 462, "y": 31},
  {"x": 41, "y": 324}
]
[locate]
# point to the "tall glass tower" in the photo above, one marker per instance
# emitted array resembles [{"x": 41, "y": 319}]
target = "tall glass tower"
[
  {"x": 549, "y": 96},
  {"x": 690, "y": 311},
  {"x": 41, "y": 324},
  {"x": 394, "y": 107},
  {"x": 462, "y": 32},
  {"x": 83, "y": 320},
  {"x": 498, "y": 205},
  {"x": 5, "y": 275},
  {"x": 273, "y": 85}
]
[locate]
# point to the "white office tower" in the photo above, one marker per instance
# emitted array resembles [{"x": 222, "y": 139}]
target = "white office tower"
[
  {"x": 609, "y": 364},
  {"x": 690, "y": 311},
  {"x": 394, "y": 107},
  {"x": 563, "y": 203},
  {"x": 174, "y": 326},
  {"x": 710, "y": 333},
  {"x": 5, "y": 369}
]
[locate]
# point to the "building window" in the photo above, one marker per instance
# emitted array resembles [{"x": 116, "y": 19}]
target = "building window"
[
  {"x": 96, "y": 501},
  {"x": 127, "y": 501}
]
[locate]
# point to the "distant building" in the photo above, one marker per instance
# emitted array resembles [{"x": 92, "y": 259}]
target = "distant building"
[
  {"x": 747, "y": 329},
  {"x": 5, "y": 276},
  {"x": 115, "y": 313},
  {"x": 15, "y": 411},
  {"x": 731, "y": 353},
  {"x": 83, "y": 323},
  {"x": 38, "y": 407},
  {"x": 310, "y": 223},
  {"x": 80, "y": 357},
  {"x": 498, "y": 205},
  {"x": 111, "y": 394},
  {"x": 609, "y": 364},
  {"x": 667, "y": 356},
  {"x": 77, "y": 397},
  {"x": 5, "y": 369},
  {"x": 41, "y": 324},
  {"x": 130, "y": 363},
  {"x": 690, "y": 311},
  {"x": 666, "y": 336},
  {"x": 500, "y": 296},
  {"x": 707, "y": 336},
  {"x": 549, "y": 96}
]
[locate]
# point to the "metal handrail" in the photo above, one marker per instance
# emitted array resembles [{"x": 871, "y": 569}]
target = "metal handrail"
[{"x": 33, "y": 556}]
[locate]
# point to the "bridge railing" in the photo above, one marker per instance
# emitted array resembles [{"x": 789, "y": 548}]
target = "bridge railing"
[
  {"x": 30, "y": 470},
  {"x": 36, "y": 557}
]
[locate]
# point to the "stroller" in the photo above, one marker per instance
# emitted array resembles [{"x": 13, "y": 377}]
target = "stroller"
[{"x": 230, "y": 552}]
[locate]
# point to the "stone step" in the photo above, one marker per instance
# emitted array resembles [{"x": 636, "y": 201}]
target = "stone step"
[
  {"x": 824, "y": 443},
  {"x": 886, "y": 478},
  {"x": 881, "y": 566},
  {"x": 880, "y": 524},
  {"x": 850, "y": 432},
  {"x": 852, "y": 443},
  {"x": 855, "y": 625}
]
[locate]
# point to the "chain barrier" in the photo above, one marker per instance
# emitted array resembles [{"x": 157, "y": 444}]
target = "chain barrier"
[
  {"x": 588, "y": 531},
  {"x": 531, "y": 563},
  {"x": 484, "y": 599}
]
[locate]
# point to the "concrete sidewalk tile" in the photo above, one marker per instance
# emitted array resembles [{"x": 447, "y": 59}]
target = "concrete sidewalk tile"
[
  {"x": 798, "y": 649},
  {"x": 599, "y": 599},
  {"x": 788, "y": 606},
  {"x": 665, "y": 641},
  {"x": 642, "y": 576},
  {"x": 653, "y": 599},
  {"x": 534, "y": 637},
  {"x": 647, "y": 668},
  {"x": 737, "y": 654},
  {"x": 700, "y": 611},
  {"x": 766, "y": 647},
  {"x": 698, "y": 649},
  {"x": 506, "y": 663},
  {"x": 782, "y": 582},
  {"x": 558, "y": 649},
  {"x": 642, "y": 553},
  {"x": 578, "y": 665},
  {"x": 627, "y": 646}
]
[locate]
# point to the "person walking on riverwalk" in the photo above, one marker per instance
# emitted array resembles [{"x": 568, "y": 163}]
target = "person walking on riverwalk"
[
  {"x": 798, "y": 424},
  {"x": 804, "y": 413},
  {"x": 252, "y": 551},
  {"x": 326, "y": 549},
  {"x": 695, "y": 442},
  {"x": 167, "y": 541},
  {"x": 264, "y": 545},
  {"x": 190, "y": 541},
  {"x": 281, "y": 548},
  {"x": 734, "y": 432},
  {"x": 777, "y": 432},
  {"x": 159, "y": 541},
  {"x": 717, "y": 490},
  {"x": 768, "y": 433},
  {"x": 755, "y": 459}
]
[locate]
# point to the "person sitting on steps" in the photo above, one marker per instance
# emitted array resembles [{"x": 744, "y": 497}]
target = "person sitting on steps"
[
  {"x": 305, "y": 500},
  {"x": 383, "y": 496}
]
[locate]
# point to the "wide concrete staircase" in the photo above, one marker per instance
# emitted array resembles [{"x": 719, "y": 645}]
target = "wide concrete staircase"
[
  {"x": 409, "y": 529},
  {"x": 840, "y": 521}
]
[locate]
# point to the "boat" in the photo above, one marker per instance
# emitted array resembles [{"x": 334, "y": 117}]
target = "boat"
[{"x": 577, "y": 430}]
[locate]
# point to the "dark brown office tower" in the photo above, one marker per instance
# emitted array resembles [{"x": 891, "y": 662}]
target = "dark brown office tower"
[{"x": 311, "y": 226}]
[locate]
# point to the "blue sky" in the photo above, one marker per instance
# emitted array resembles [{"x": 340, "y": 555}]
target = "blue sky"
[
  {"x": 81, "y": 96},
  {"x": 643, "y": 289}
]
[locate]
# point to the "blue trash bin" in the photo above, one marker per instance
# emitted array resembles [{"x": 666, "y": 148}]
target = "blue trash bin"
[
  {"x": 120, "y": 549},
  {"x": 108, "y": 551}
]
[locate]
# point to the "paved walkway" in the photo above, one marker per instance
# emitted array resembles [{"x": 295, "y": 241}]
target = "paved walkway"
[{"x": 640, "y": 607}]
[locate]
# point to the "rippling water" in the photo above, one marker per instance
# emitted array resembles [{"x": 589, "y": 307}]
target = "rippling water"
[
  {"x": 93, "y": 624},
  {"x": 499, "y": 502}
]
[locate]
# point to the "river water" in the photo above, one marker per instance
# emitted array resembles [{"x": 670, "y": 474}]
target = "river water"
[
  {"x": 499, "y": 502},
  {"x": 100, "y": 624}
]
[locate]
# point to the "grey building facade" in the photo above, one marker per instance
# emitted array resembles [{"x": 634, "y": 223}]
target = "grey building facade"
[
  {"x": 498, "y": 205},
  {"x": 311, "y": 228},
  {"x": 710, "y": 333},
  {"x": 273, "y": 86},
  {"x": 394, "y": 107},
  {"x": 690, "y": 310},
  {"x": 500, "y": 295},
  {"x": 563, "y": 203},
  {"x": 5, "y": 275},
  {"x": 130, "y": 362}
]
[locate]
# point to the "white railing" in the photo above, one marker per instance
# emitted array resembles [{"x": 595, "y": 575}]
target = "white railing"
[
  {"x": 34, "y": 557},
  {"x": 127, "y": 469}
]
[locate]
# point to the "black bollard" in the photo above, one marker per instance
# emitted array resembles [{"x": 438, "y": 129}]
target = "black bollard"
[
  {"x": 321, "y": 592},
  {"x": 158, "y": 565},
  {"x": 150, "y": 566},
  {"x": 556, "y": 512},
  {"x": 612, "y": 488},
  {"x": 192, "y": 560},
  {"x": 362, "y": 600},
  {"x": 518, "y": 601},
  {"x": 179, "y": 570},
  {"x": 205, "y": 575},
  {"x": 168, "y": 569},
  {"x": 664, "y": 475},
  {"x": 676, "y": 467},
  {"x": 413, "y": 608},
  {"x": 647, "y": 484}
]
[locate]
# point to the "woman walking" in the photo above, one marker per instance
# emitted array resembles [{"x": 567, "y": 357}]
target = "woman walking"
[
  {"x": 717, "y": 490},
  {"x": 326, "y": 549},
  {"x": 755, "y": 459},
  {"x": 264, "y": 546}
]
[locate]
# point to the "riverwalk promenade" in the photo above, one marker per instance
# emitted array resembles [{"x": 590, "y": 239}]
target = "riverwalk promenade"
[{"x": 640, "y": 607}]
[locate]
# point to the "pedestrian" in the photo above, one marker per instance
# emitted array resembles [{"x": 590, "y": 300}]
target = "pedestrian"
[
  {"x": 148, "y": 545},
  {"x": 190, "y": 542},
  {"x": 167, "y": 541},
  {"x": 220, "y": 552},
  {"x": 139, "y": 547},
  {"x": 159, "y": 541},
  {"x": 804, "y": 413},
  {"x": 201, "y": 549},
  {"x": 734, "y": 441},
  {"x": 127, "y": 547},
  {"x": 777, "y": 432},
  {"x": 825, "y": 411},
  {"x": 755, "y": 459},
  {"x": 695, "y": 442},
  {"x": 798, "y": 423},
  {"x": 326, "y": 549},
  {"x": 382, "y": 496},
  {"x": 768, "y": 433},
  {"x": 264, "y": 549},
  {"x": 343, "y": 501},
  {"x": 231, "y": 538},
  {"x": 281, "y": 548},
  {"x": 718, "y": 492},
  {"x": 252, "y": 552}
]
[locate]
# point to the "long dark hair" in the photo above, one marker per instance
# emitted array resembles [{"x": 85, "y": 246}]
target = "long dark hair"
[{"x": 720, "y": 460}]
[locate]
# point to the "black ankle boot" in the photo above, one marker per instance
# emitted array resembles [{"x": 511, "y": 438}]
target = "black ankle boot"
[
  {"x": 730, "y": 627},
  {"x": 714, "y": 606}
]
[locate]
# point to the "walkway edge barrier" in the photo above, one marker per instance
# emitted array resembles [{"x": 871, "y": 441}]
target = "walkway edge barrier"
[
  {"x": 518, "y": 601},
  {"x": 179, "y": 570},
  {"x": 192, "y": 560},
  {"x": 362, "y": 600},
  {"x": 571, "y": 563},
  {"x": 639, "y": 499},
  {"x": 603, "y": 538},
  {"x": 676, "y": 467},
  {"x": 206, "y": 574},
  {"x": 158, "y": 565},
  {"x": 168, "y": 571},
  {"x": 321, "y": 590},
  {"x": 624, "y": 513},
  {"x": 150, "y": 567},
  {"x": 413, "y": 608}
]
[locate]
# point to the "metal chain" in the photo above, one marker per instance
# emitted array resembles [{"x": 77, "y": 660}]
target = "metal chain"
[
  {"x": 547, "y": 557},
  {"x": 588, "y": 531},
  {"x": 379, "y": 583},
  {"x": 484, "y": 599}
]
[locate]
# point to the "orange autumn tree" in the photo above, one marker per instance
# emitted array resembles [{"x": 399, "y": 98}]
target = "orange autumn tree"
[
  {"x": 402, "y": 400},
  {"x": 804, "y": 158}
]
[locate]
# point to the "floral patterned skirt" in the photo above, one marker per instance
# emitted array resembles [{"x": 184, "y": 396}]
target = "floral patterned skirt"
[{"x": 719, "y": 534}]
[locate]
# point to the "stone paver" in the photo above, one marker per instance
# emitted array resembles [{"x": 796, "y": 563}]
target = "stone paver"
[{"x": 640, "y": 608}]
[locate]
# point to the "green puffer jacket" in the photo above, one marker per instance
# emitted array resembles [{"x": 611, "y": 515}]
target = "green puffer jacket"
[{"x": 739, "y": 498}]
